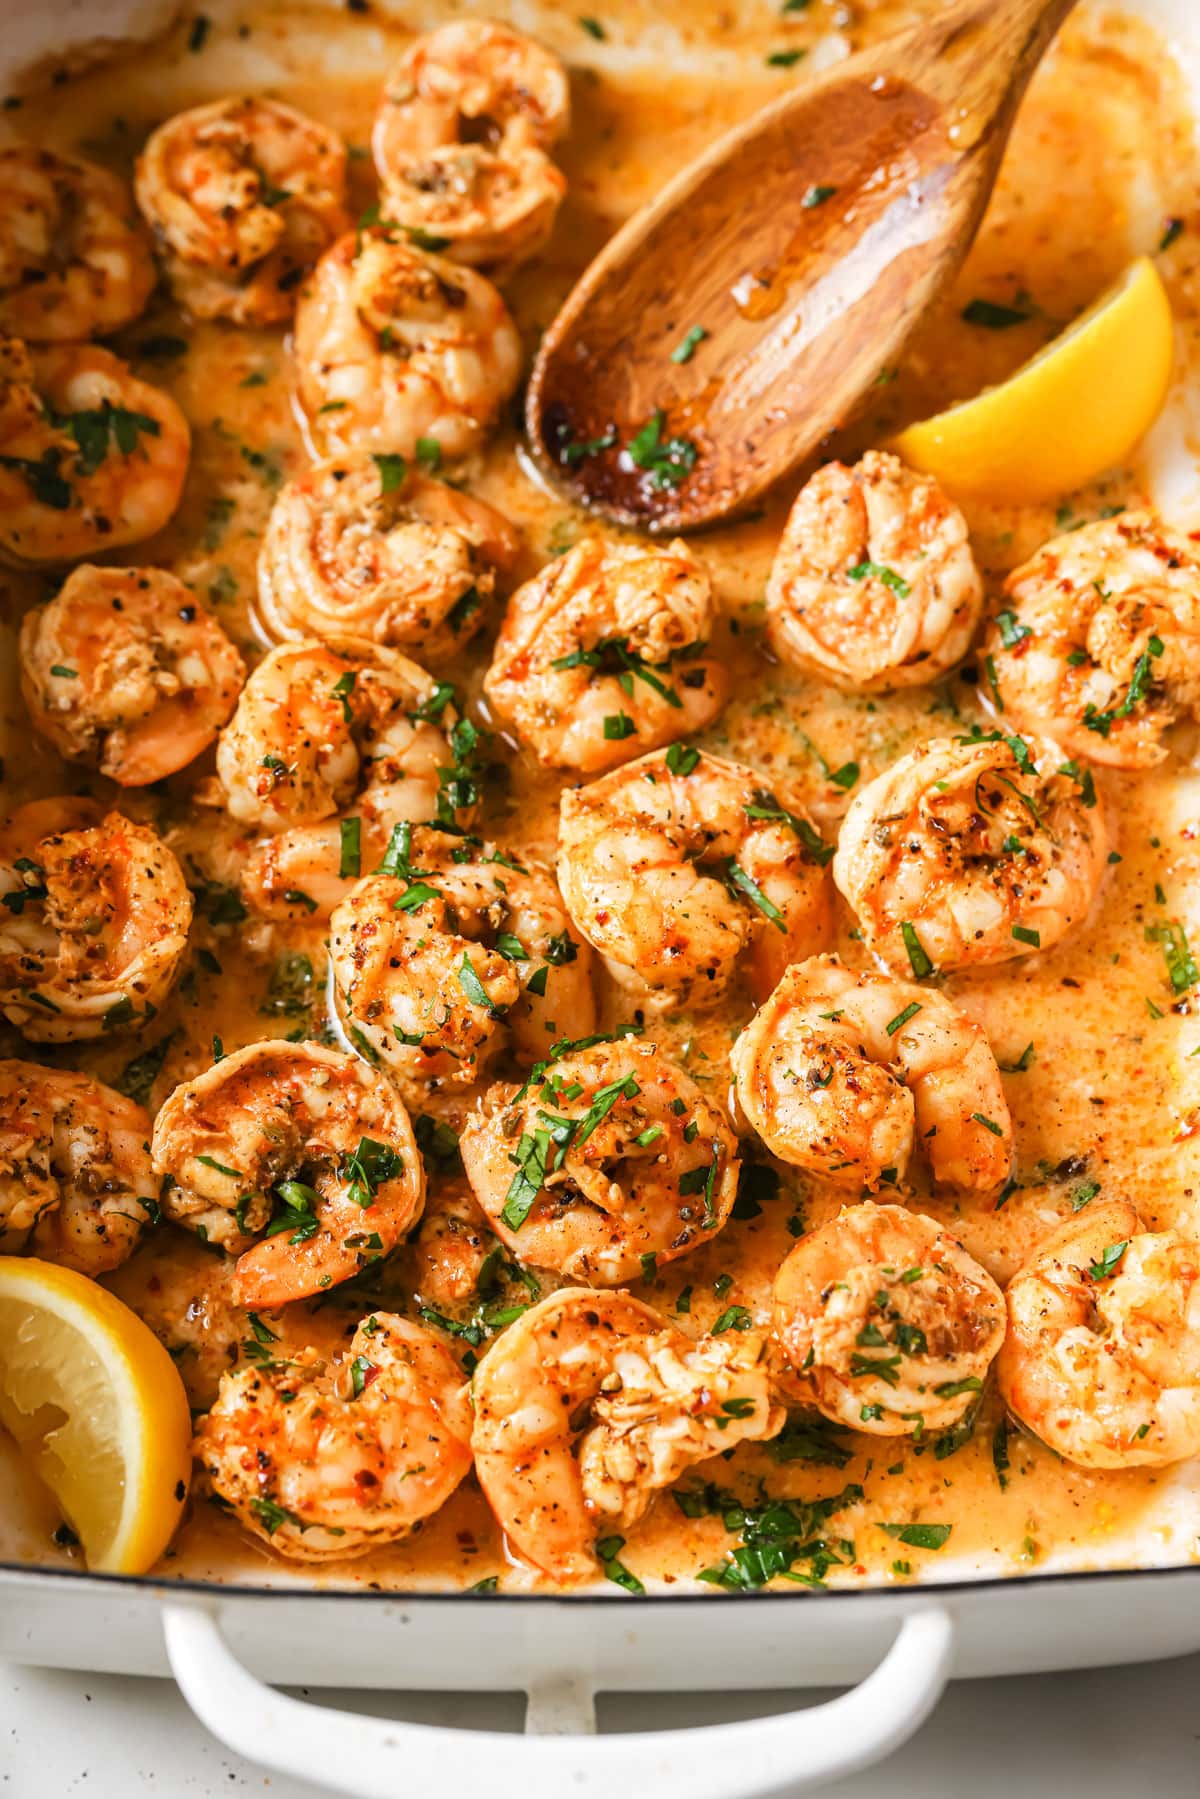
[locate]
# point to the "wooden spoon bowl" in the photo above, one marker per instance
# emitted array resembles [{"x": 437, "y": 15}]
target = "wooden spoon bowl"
[{"x": 805, "y": 245}]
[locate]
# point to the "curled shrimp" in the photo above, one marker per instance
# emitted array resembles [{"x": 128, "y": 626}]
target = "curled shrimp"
[
  {"x": 125, "y": 670},
  {"x": 605, "y": 1157},
  {"x": 678, "y": 865},
  {"x": 75, "y": 260},
  {"x": 1098, "y": 642},
  {"x": 322, "y": 1460},
  {"x": 183, "y": 1293},
  {"x": 601, "y": 656},
  {"x": 76, "y": 1184},
  {"x": 1102, "y": 1358},
  {"x": 448, "y": 1253},
  {"x": 297, "y": 1159},
  {"x": 841, "y": 1073},
  {"x": 873, "y": 585},
  {"x": 461, "y": 136},
  {"x": 396, "y": 348},
  {"x": 887, "y": 1323},
  {"x": 971, "y": 851},
  {"x": 454, "y": 954},
  {"x": 243, "y": 196},
  {"x": 359, "y": 548},
  {"x": 653, "y": 1403},
  {"x": 90, "y": 457},
  {"x": 95, "y": 923},
  {"x": 319, "y": 730}
]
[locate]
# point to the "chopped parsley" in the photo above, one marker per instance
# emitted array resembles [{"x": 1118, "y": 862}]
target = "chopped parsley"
[
  {"x": 608, "y": 1551},
  {"x": 367, "y": 1168},
  {"x": 668, "y": 461},
  {"x": 473, "y": 987},
  {"x": 1012, "y": 631},
  {"x": 687, "y": 346},
  {"x": 290, "y": 986},
  {"x": 350, "y": 864},
  {"x": 813, "y": 1440},
  {"x": 733, "y": 1318},
  {"x": 901, "y": 1019},
  {"x": 392, "y": 471},
  {"x": 682, "y": 759},
  {"x": 739, "y": 882},
  {"x": 764, "y": 805},
  {"x": 99, "y": 429},
  {"x": 137, "y": 1078},
  {"x": 774, "y": 1537},
  {"x": 1181, "y": 964},
  {"x": 572, "y": 453},
  {"x": 1109, "y": 1261},
  {"x": 879, "y": 571},
  {"x": 920, "y": 1536},
  {"x": 918, "y": 959},
  {"x": 1139, "y": 684},
  {"x": 271, "y": 1515},
  {"x": 343, "y": 687}
]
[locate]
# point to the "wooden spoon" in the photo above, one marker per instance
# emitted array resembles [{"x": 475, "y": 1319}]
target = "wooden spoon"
[{"x": 806, "y": 245}]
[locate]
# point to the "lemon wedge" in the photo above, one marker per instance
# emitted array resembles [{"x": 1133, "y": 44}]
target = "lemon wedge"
[
  {"x": 1077, "y": 408},
  {"x": 97, "y": 1407}
]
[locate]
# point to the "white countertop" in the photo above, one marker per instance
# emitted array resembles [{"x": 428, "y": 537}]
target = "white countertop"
[{"x": 1107, "y": 1733}]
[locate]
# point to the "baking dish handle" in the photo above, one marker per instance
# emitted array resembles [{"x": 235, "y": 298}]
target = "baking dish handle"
[{"x": 371, "y": 1758}]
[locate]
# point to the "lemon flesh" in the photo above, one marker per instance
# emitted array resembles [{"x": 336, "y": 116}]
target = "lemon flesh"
[
  {"x": 98, "y": 1410},
  {"x": 1076, "y": 409}
]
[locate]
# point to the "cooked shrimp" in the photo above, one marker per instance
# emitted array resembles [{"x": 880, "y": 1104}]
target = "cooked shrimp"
[
  {"x": 602, "y": 655},
  {"x": 358, "y": 547},
  {"x": 320, "y": 730},
  {"x": 76, "y": 1184},
  {"x": 95, "y": 924},
  {"x": 874, "y": 585},
  {"x": 887, "y": 1323},
  {"x": 243, "y": 196},
  {"x": 678, "y": 865},
  {"x": 396, "y": 348},
  {"x": 655, "y": 1403},
  {"x": 75, "y": 260},
  {"x": 605, "y": 1157},
  {"x": 455, "y": 953},
  {"x": 448, "y": 1254},
  {"x": 301, "y": 1146},
  {"x": 124, "y": 669},
  {"x": 461, "y": 137},
  {"x": 90, "y": 457},
  {"x": 840, "y": 1072},
  {"x": 1102, "y": 1359},
  {"x": 1098, "y": 643},
  {"x": 325, "y": 1460},
  {"x": 183, "y": 1292},
  {"x": 969, "y": 851}
]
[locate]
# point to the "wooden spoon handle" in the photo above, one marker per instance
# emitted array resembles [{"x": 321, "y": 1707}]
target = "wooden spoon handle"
[{"x": 978, "y": 57}]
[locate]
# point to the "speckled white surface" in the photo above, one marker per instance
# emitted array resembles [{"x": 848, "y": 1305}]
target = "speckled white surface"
[{"x": 1108, "y": 1734}]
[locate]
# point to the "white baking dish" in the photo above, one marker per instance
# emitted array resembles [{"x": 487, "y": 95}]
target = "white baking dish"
[{"x": 901, "y": 1645}]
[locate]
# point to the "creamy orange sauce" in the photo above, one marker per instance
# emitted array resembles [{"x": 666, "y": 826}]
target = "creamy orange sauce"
[{"x": 1101, "y": 153}]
